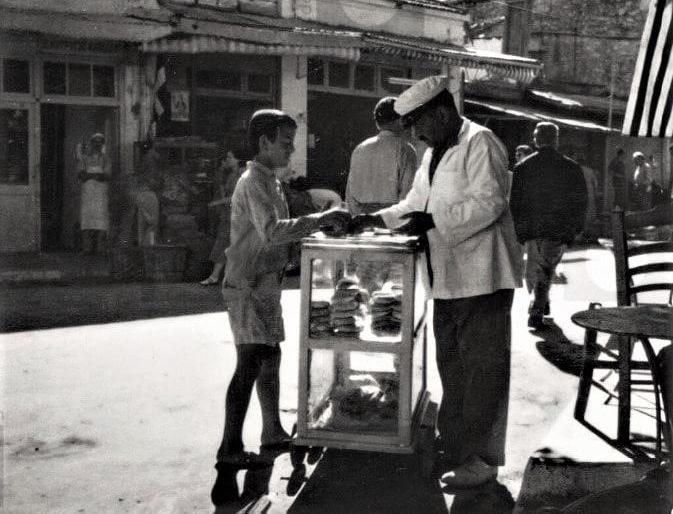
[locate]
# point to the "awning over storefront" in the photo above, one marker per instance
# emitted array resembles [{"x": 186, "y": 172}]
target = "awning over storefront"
[
  {"x": 529, "y": 113},
  {"x": 81, "y": 26},
  {"x": 198, "y": 44},
  {"x": 197, "y": 29},
  {"x": 247, "y": 35},
  {"x": 519, "y": 68}
]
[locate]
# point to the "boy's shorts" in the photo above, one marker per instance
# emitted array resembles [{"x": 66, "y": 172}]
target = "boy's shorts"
[{"x": 255, "y": 312}]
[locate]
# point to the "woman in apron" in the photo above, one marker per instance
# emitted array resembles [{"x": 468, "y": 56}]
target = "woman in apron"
[{"x": 94, "y": 173}]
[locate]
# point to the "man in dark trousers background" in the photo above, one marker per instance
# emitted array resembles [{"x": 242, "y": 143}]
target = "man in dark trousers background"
[{"x": 548, "y": 203}]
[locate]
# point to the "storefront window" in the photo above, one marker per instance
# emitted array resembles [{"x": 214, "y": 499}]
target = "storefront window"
[
  {"x": 79, "y": 80},
  {"x": 258, "y": 83},
  {"x": 54, "y": 78},
  {"x": 219, "y": 79},
  {"x": 364, "y": 78},
  {"x": 339, "y": 73},
  {"x": 15, "y": 76},
  {"x": 316, "y": 72},
  {"x": 104, "y": 81},
  {"x": 13, "y": 146}
]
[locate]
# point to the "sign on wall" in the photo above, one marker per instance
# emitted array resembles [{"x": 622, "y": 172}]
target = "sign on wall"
[{"x": 179, "y": 105}]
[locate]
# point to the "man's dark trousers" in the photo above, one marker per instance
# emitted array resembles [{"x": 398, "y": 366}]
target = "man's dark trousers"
[{"x": 473, "y": 338}]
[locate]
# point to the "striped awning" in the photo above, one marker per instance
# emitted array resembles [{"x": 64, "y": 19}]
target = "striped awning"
[
  {"x": 648, "y": 111},
  {"x": 519, "y": 68},
  {"x": 201, "y": 43}
]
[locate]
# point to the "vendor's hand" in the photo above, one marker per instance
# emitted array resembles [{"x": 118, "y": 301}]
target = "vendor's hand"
[
  {"x": 418, "y": 223},
  {"x": 364, "y": 221},
  {"x": 335, "y": 222}
]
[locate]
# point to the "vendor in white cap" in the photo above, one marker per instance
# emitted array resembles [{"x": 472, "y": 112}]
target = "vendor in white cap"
[
  {"x": 459, "y": 202},
  {"x": 94, "y": 174}
]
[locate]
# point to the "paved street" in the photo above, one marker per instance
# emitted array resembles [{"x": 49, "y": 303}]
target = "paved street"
[{"x": 125, "y": 416}]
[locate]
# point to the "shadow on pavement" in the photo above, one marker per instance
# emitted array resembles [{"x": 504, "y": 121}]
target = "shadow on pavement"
[
  {"x": 558, "y": 350},
  {"x": 351, "y": 481},
  {"x": 66, "y": 305},
  {"x": 492, "y": 497}
]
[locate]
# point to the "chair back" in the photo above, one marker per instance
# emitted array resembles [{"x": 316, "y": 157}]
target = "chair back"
[{"x": 654, "y": 272}]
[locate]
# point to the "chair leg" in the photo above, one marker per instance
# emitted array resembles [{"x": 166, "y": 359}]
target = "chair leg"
[
  {"x": 656, "y": 385},
  {"x": 591, "y": 351}
]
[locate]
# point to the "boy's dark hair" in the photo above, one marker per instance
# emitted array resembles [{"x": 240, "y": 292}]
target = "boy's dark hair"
[{"x": 266, "y": 122}]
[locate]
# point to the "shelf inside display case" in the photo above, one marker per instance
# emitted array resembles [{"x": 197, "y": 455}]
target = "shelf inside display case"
[
  {"x": 354, "y": 392},
  {"x": 363, "y": 341},
  {"x": 356, "y": 288}
]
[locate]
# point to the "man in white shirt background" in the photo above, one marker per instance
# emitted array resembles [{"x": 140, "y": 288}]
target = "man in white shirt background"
[{"x": 382, "y": 167}]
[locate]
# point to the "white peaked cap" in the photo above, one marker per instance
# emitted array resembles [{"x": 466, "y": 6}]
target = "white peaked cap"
[{"x": 422, "y": 92}]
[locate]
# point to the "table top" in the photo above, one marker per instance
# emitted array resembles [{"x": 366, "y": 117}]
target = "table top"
[{"x": 641, "y": 320}]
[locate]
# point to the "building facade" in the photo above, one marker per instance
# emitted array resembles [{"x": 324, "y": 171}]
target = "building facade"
[
  {"x": 589, "y": 50},
  {"x": 187, "y": 75}
]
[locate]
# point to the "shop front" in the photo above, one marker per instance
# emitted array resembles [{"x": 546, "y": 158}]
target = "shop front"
[
  {"x": 63, "y": 77},
  {"x": 51, "y": 103}
]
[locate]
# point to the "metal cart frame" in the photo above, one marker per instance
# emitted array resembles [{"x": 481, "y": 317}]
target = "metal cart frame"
[{"x": 416, "y": 414}]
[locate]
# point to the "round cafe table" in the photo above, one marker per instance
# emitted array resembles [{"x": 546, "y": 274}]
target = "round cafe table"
[{"x": 641, "y": 322}]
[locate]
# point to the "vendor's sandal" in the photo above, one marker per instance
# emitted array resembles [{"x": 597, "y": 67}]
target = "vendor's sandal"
[
  {"x": 243, "y": 460},
  {"x": 210, "y": 281}
]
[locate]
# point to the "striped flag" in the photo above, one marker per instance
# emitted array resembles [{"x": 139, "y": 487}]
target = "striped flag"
[{"x": 648, "y": 112}]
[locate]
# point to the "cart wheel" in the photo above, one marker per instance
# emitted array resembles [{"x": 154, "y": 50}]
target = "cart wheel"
[
  {"x": 297, "y": 454},
  {"x": 314, "y": 454}
]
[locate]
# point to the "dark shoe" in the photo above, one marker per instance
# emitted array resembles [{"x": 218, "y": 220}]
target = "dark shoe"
[
  {"x": 473, "y": 472},
  {"x": 225, "y": 488},
  {"x": 536, "y": 322}
]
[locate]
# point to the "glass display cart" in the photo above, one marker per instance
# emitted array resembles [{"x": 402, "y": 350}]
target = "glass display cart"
[{"x": 362, "y": 356}]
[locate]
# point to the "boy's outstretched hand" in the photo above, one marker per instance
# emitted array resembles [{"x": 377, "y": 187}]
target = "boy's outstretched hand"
[{"x": 335, "y": 222}]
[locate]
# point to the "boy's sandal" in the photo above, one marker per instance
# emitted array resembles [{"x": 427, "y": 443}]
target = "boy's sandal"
[
  {"x": 210, "y": 281},
  {"x": 243, "y": 460}
]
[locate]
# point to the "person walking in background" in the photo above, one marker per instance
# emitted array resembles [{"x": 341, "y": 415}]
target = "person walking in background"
[
  {"x": 229, "y": 172},
  {"x": 94, "y": 173},
  {"x": 641, "y": 183},
  {"x": 382, "y": 167},
  {"x": 620, "y": 182},
  {"x": 548, "y": 203},
  {"x": 261, "y": 234},
  {"x": 458, "y": 201},
  {"x": 521, "y": 152}
]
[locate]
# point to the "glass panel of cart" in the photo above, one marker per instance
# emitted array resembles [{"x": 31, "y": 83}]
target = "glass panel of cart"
[
  {"x": 359, "y": 300},
  {"x": 353, "y": 392}
]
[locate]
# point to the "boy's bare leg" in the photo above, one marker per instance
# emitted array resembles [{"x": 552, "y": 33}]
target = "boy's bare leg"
[
  {"x": 268, "y": 392},
  {"x": 238, "y": 399}
]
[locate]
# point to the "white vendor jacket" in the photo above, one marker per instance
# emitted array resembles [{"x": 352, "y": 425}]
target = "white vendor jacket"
[{"x": 473, "y": 247}]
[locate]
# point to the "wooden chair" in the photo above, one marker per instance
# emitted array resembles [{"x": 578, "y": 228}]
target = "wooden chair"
[{"x": 633, "y": 280}]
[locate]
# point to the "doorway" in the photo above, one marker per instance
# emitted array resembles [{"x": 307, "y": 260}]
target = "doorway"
[
  {"x": 336, "y": 125},
  {"x": 63, "y": 127}
]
